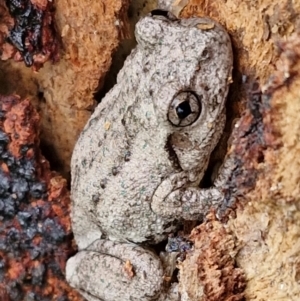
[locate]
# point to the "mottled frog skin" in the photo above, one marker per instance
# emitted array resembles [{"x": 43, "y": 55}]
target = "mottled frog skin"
[{"x": 137, "y": 165}]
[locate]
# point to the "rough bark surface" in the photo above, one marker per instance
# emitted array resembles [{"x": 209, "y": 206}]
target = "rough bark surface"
[
  {"x": 269, "y": 226},
  {"x": 264, "y": 223},
  {"x": 27, "y": 32},
  {"x": 209, "y": 272},
  {"x": 64, "y": 92},
  {"x": 35, "y": 226}
]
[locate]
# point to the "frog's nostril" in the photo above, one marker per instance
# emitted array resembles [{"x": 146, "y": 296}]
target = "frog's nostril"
[
  {"x": 159, "y": 12},
  {"x": 163, "y": 13}
]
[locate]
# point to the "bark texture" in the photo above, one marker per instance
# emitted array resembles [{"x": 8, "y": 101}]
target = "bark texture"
[
  {"x": 264, "y": 222},
  {"x": 35, "y": 227},
  {"x": 90, "y": 32}
]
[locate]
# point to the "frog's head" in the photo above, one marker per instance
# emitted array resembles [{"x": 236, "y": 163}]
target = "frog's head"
[{"x": 188, "y": 82}]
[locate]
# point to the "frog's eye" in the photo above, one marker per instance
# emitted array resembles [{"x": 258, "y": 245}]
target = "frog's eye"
[{"x": 184, "y": 109}]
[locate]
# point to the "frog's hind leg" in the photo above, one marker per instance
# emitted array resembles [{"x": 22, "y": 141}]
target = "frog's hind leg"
[
  {"x": 112, "y": 271},
  {"x": 83, "y": 226}
]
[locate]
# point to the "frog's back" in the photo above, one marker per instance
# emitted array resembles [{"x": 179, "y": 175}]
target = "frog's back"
[{"x": 123, "y": 153}]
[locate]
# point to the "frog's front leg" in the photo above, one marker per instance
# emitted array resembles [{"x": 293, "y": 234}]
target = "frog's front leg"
[
  {"x": 114, "y": 271},
  {"x": 189, "y": 203},
  {"x": 174, "y": 198}
]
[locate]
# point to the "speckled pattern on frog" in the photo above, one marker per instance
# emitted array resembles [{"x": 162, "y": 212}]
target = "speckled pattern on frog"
[{"x": 137, "y": 165}]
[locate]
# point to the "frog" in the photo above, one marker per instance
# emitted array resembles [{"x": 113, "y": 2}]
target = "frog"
[{"x": 137, "y": 166}]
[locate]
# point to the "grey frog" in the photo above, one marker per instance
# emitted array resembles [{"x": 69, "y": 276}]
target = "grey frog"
[{"x": 137, "y": 165}]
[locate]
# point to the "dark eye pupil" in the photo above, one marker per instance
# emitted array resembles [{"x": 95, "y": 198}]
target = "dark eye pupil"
[{"x": 183, "y": 110}]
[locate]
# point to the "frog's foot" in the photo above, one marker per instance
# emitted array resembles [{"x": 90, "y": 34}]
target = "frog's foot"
[{"x": 112, "y": 271}]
